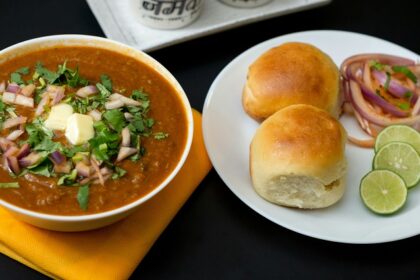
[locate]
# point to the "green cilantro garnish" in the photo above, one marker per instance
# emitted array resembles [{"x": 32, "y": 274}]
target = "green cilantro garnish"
[
  {"x": 161, "y": 135},
  {"x": 404, "y": 106},
  {"x": 407, "y": 72},
  {"x": 139, "y": 94},
  {"x": 68, "y": 179},
  {"x": 106, "y": 82},
  {"x": 115, "y": 119},
  {"x": 83, "y": 197},
  {"x": 118, "y": 173},
  {"x": 408, "y": 94},
  {"x": 377, "y": 65},
  {"x": 46, "y": 74},
  {"x": 44, "y": 168},
  {"x": 13, "y": 185},
  {"x": 388, "y": 80}
]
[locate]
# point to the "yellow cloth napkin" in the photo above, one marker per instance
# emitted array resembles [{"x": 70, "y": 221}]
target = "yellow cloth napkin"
[{"x": 112, "y": 252}]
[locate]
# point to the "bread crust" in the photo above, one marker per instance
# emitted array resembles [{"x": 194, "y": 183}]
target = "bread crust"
[
  {"x": 299, "y": 141},
  {"x": 292, "y": 73}
]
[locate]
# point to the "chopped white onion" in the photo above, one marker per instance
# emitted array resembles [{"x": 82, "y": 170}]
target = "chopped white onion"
[
  {"x": 15, "y": 134},
  {"x": 8, "y": 97},
  {"x": 114, "y": 104},
  {"x": 14, "y": 122},
  {"x": 126, "y": 138},
  {"x": 95, "y": 114},
  {"x": 87, "y": 91},
  {"x": 28, "y": 90},
  {"x": 24, "y": 100},
  {"x": 127, "y": 101}
]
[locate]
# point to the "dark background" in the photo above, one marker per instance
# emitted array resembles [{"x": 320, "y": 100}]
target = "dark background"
[{"x": 215, "y": 235}]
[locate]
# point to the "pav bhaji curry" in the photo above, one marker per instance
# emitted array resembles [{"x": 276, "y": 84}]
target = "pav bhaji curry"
[{"x": 85, "y": 130}]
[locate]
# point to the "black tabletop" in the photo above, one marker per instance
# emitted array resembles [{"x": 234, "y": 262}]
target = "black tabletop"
[{"x": 215, "y": 235}]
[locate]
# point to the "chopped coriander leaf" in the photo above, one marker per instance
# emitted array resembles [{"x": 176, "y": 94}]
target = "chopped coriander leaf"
[
  {"x": 161, "y": 135},
  {"x": 44, "y": 169},
  {"x": 46, "y": 74},
  {"x": 408, "y": 94},
  {"x": 404, "y": 106},
  {"x": 48, "y": 145},
  {"x": 407, "y": 72},
  {"x": 3, "y": 116},
  {"x": 119, "y": 172},
  {"x": 104, "y": 135},
  {"x": 388, "y": 80},
  {"x": 115, "y": 118},
  {"x": 106, "y": 82},
  {"x": 13, "y": 185},
  {"x": 73, "y": 150},
  {"x": 83, "y": 197},
  {"x": 16, "y": 78},
  {"x": 42, "y": 157},
  {"x": 139, "y": 94},
  {"x": 376, "y": 65},
  {"x": 37, "y": 132},
  {"x": 23, "y": 70},
  {"x": 68, "y": 179},
  {"x": 104, "y": 92}
]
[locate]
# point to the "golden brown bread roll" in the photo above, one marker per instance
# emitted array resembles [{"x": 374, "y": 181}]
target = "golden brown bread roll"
[
  {"x": 297, "y": 158},
  {"x": 292, "y": 73}
]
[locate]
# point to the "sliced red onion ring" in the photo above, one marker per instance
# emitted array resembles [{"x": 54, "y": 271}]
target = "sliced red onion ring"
[
  {"x": 376, "y": 99},
  {"x": 395, "y": 88},
  {"x": 13, "y": 88},
  {"x": 28, "y": 90},
  {"x": 382, "y": 58},
  {"x": 15, "y": 134},
  {"x": 14, "y": 122},
  {"x": 125, "y": 152},
  {"x": 360, "y": 105},
  {"x": 87, "y": 91}
]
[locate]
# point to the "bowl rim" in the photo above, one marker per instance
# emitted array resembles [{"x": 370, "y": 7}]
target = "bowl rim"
[{"x": 150, "y": 61}]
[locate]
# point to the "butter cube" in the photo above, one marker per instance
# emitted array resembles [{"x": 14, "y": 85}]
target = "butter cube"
[
  {"x": 57, "y": 119},
  {"x": 79, "y": 129}
]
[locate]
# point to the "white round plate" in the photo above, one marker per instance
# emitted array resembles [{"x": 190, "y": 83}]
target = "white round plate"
[{"x": 228, "y": 131}]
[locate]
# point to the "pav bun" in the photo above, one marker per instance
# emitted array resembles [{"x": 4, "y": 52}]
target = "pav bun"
[
  {"x": 297, "y": 158},
  {"x": 292, "y": 73}
]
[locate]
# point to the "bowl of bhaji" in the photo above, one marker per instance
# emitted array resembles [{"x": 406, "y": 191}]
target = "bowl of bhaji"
[{"x": 89, "y": 130}]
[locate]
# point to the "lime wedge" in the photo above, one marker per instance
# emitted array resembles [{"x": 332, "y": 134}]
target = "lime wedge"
[
  {"x": 400, "y": 158},
  {"x": 398, "y": 133},
  {"x": 383, "y": 191}
]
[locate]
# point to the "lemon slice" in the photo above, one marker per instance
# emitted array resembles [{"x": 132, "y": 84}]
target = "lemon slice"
[
  {"x": 400, "y": 158},
  {"x": 383, "y": 191},
  {"x": 398, "y": 133}
]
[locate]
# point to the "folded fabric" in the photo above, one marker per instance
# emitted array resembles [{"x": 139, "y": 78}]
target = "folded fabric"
[{"x": 112, "y": 252}]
